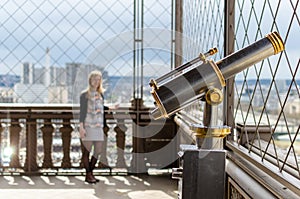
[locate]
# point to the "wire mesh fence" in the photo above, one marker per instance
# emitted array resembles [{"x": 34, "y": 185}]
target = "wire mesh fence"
[
  {"x": 48, "y": 48},
  {"x": 44, "y": 45},
  {"x": 270, "y": 89},
  {"x": 267, "y": 94}
]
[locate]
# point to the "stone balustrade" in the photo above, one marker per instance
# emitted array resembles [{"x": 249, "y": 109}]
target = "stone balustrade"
[{"x": 45, "y": 137}]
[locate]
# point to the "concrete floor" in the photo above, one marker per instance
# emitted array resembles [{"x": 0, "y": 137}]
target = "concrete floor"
[{"x": 74, "y": 187}]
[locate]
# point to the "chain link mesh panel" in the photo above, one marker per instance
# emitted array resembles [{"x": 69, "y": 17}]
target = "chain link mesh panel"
[
  {"x": 44, "y": 45},
  {"x": 267, "y": 94},
  {"x": 49, "y": 47},
  {"x": 203, "y": 28}
]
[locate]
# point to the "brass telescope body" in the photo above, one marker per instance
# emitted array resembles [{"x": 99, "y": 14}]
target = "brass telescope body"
[{"x": 190, "y": 81}]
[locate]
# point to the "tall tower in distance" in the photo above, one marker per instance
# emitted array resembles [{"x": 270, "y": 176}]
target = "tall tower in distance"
[
  {"x": 47, "y": 68},
  {"x": 27, "y": 76}
]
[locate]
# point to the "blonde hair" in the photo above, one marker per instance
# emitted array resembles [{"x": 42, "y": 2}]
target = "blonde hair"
[{"x": 100, "y": 88}]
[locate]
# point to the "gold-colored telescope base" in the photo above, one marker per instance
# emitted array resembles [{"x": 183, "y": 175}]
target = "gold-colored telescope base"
[{"x": 217, "y": 132}]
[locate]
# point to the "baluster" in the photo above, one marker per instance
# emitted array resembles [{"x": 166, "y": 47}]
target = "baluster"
[
  {"x": 31, "y": 145},
  {"x": 66, "y": 131},
  {"x": 47, "y": 130},
  {"x": 103, "y": 163},
  {"x": 1, "y": 130},
  {"x": 14, "y": 137},
  {"x": 138, "y": 153},
  {"x": 120, "y": 130},
  {"x": 138, "y": 164}
]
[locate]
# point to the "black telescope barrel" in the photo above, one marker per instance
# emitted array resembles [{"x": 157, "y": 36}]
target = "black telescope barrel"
[
  {"x": 198, "y": 60},
  {"x": 248, "y": 56}
]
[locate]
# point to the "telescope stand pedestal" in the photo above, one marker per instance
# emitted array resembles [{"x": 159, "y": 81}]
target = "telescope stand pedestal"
[
  {"x": 201, "y": 174},
  {"x": 202, "y": 167}
]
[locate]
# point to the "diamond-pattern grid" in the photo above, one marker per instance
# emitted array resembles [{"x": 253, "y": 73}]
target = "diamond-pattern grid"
[
  {"x": 157, "y": 9},
  {"x": 159, "y": 53},
  {"x": 157, "y": 43},
  {"x": 203, "y": 28},
  {"x": 72, "y": 30},
  {"x": 267, "y": 93}
]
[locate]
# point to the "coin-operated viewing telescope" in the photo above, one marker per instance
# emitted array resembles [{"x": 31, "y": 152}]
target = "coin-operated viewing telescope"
[
  {"x": 201, "y": 173},
  {"x": 190, "y": 81}
]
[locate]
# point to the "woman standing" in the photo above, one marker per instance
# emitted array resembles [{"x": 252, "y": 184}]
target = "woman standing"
[{"x": 91, "y": 123}]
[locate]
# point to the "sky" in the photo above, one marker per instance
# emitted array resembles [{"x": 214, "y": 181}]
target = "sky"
[{"x": 75, "y": 30}]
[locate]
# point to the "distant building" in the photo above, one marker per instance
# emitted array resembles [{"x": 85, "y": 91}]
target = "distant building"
[
  {"x": 77, "y": 78},
  {"x": 58, "y": 76},
  {"x": 38, "y": 75},
  {"x": 58, "y": 94},
  {"x": 48, "y": 84},
  {"x": 6, "y": 95},
  {"x": 30, "y": 93},
  {"x": 27, "y": 74},
  {"x": 41, "y": 75},
  {"x": 34, "y": 89},
  {"x": 293, "y": 107},
  {"x": 71, "y": 73}
]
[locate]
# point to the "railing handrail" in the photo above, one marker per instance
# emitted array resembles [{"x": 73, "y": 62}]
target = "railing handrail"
[{"x": 56, "y": 111}]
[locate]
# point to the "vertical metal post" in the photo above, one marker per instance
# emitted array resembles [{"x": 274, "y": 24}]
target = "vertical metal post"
[
  {"x": 210, "y": 119},
  {"x": 137, "y": 101},
  {"x": 138, "y": 26},
  {"x": 178, "y": 32},
  {"x": 229, "y": 48}
]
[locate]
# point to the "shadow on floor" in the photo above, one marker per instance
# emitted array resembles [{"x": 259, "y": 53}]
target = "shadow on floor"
[{"x": 109, "y": 187}]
